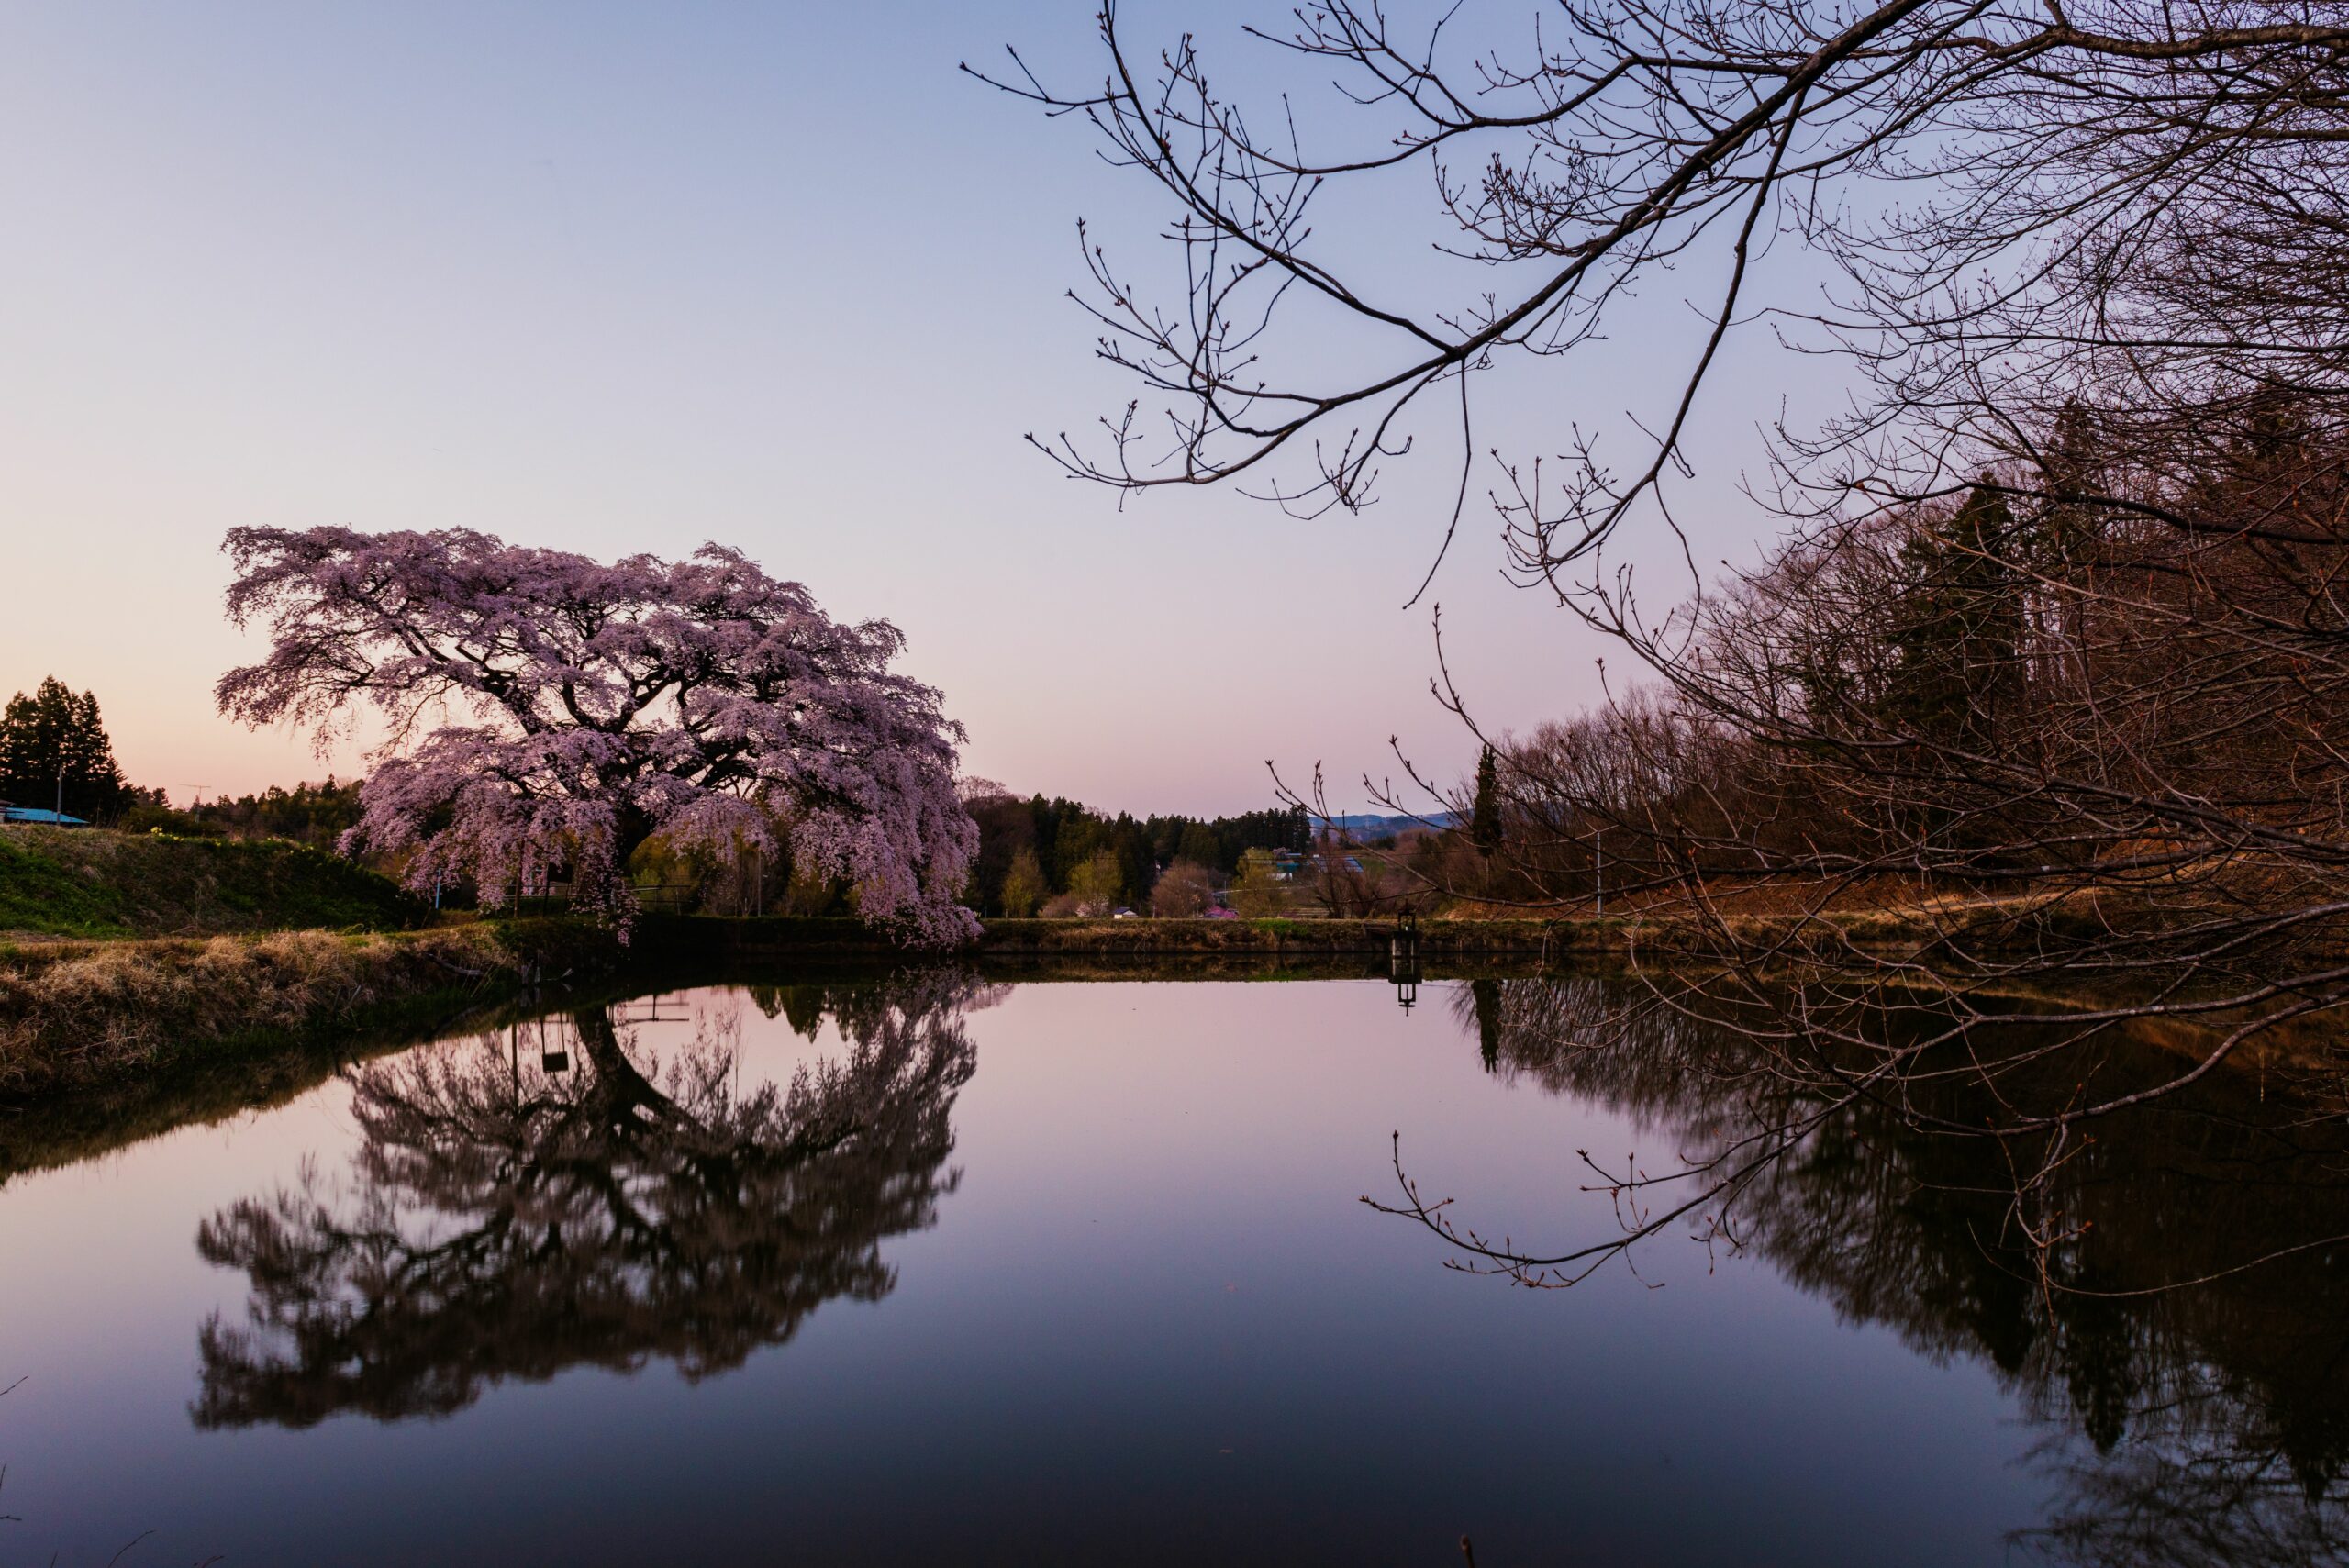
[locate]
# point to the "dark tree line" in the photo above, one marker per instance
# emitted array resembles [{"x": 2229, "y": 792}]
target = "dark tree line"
[
  {"x": 312, "y": 813},
  {"x": 1060, "y": 837}
]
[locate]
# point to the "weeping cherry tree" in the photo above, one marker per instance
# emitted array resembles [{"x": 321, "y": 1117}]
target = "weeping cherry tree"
[{"x": 538, "y": 707}]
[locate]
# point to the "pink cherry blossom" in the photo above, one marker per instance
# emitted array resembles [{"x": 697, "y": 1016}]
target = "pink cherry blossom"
[{"x": 544, "y": 708}]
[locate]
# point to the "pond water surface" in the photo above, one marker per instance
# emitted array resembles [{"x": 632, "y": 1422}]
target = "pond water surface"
[{"x": 1078, "y": 1273}]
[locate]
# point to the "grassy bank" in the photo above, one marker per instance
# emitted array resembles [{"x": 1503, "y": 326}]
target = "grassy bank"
[
  {"x": 255, "y": 1071},
  {"x": 89, "y": 882},
  {"x": 77, "y": 1014}
]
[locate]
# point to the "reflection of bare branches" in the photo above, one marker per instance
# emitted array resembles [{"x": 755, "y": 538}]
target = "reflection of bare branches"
[
  {"x": 1576, "y": 1035},
  {"x": 500, "y": 1221},
  {"x": 2184, "y": 1339},
  {"x": 2173, "y": 1503}
]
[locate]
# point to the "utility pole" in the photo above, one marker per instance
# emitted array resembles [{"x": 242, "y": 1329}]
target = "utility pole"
[{"x": 1599, "y": 867}]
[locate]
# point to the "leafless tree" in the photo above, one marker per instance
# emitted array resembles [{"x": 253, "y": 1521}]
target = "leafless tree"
[
  {"x": 2003, "y": 187},
  {"x": 2033, "y": 728},
  {"x": 1183, "y": 890}
]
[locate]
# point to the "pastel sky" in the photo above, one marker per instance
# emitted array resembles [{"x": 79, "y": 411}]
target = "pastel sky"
[{"x": 628, "y": 278}]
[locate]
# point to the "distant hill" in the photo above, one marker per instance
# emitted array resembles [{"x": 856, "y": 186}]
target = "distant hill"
[
  {"x": 88, "y": 882},
  {"x": 1363, "y": 824}
]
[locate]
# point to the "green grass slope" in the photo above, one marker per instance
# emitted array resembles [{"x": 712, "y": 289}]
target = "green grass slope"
[{"x": 87, "y": 882}]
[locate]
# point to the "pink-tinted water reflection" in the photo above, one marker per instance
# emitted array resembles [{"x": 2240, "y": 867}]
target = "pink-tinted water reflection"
[{"x": 1078, "y": 1275}]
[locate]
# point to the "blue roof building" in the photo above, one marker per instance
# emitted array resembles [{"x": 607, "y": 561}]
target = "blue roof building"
[{"x": 35, "y": 815}]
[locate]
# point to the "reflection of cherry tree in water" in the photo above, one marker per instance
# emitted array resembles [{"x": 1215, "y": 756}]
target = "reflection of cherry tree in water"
[
  {"x": 2186, "y": 1354},
  {"x": 501, "y": 1221}
]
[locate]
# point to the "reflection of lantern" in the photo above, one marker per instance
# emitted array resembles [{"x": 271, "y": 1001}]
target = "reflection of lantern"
[
  {"x": 1405, "y": 972},
  {"x": 1403, "y": 962}
]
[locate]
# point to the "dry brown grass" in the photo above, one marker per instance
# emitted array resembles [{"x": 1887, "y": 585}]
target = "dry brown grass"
[{"x": 74, "y": 1013}]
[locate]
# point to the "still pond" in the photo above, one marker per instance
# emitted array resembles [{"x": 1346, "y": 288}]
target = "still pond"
[{"x": 931, "y": 1269}]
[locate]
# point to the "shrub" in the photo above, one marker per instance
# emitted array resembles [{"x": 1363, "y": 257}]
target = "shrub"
[{"x": 1185, "y": 891}]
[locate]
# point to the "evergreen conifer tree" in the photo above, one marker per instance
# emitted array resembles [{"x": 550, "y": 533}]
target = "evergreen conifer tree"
[
  {"x": 1960, "y": 631},
  {"x": 1485, "y": 824},
  {"x": 53, "y": 747}
]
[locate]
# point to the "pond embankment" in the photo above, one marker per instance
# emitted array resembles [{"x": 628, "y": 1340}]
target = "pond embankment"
[
  {"x": 73, "y": 1014},
  {"x": 77, "y": 1014}
]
